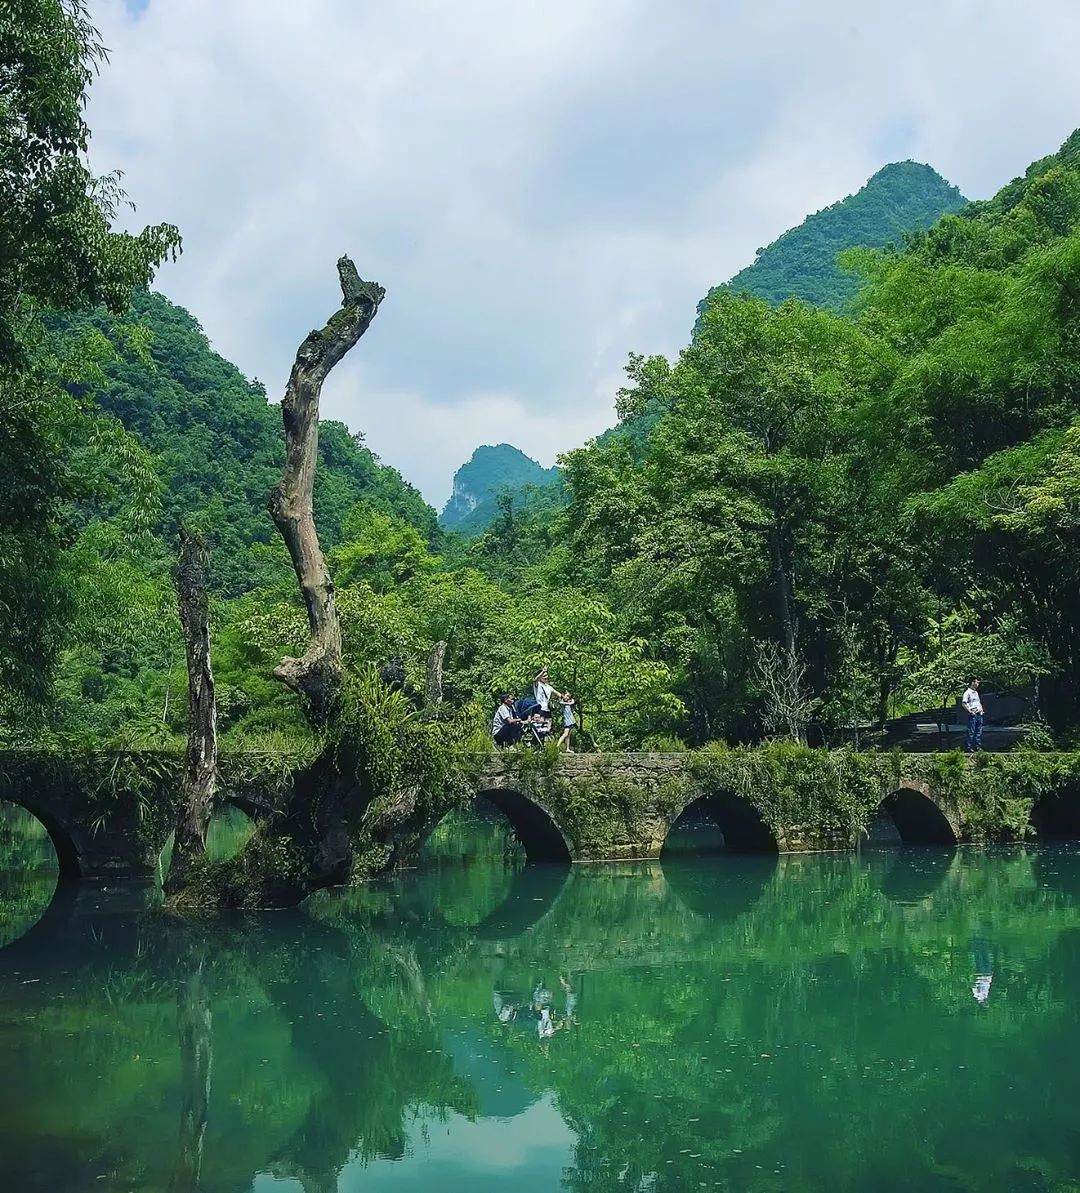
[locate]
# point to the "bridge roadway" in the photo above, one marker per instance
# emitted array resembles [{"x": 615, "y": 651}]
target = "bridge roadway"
[{"x": 110, "y": 814}]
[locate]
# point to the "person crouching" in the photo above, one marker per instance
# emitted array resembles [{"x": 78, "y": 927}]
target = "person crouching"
[{"x": 506, "y": 729}]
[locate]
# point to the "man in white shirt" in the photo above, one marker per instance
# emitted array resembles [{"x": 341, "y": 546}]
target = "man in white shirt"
[{"x": 973, "y": 707}]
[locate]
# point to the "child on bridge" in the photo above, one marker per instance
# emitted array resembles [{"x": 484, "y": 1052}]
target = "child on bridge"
[{"x": 569, "y": 722}]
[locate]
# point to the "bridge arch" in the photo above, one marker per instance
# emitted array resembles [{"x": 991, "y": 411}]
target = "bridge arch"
[
  {"x": 917, "y": 818},
  {"x": 540, "y": 836},
  {"x": 741, "y": 823},
  {"x": 231, "y": 824},
  {"x": 63, "y": 840},
  {"x": 1057, "y": 814}
]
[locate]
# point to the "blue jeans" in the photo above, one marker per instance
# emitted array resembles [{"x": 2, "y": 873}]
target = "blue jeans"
[{"x": 974, "y": 732}]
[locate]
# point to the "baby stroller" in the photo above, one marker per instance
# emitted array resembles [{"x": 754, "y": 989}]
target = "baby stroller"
[{"x": 536, "y": 731}]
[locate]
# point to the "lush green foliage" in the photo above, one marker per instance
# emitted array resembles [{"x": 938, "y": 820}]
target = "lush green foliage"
[
  {"x": 217, "y": 444},
  {"x": 809, "y": 521},
  {"x": 803, "y": 527},
  {"x": 833, "y": 518},
  {"x": 56, "y": 251}
]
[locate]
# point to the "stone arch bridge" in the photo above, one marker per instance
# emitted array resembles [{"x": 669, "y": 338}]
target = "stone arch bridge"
[{"x": 109, "y": 814}]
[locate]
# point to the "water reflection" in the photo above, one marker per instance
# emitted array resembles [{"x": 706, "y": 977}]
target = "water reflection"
[
  {"x": 910, "y": 876},
  {"x": 720, "y": 892},
  {"x": 29, "y": 871},
  {"x": 900, "y": 1022}
]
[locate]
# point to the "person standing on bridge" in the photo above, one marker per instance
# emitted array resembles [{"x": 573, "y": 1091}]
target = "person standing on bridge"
[
  {"x": 569, "y": 722},
  {"x": 973, "y": 706},
  {"x": 544, "y": 693}
]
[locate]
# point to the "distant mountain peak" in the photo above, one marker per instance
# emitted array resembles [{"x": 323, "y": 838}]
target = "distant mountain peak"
[
  {"x": 900, "y": 198},
  {"x": 907, "y": 166},
  {"x": 491, "y": 469}
]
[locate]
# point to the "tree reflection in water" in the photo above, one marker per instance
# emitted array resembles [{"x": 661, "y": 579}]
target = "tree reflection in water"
[
  {"x": 194, "y": 1025},
  {"x": 803, "y": 1024}
]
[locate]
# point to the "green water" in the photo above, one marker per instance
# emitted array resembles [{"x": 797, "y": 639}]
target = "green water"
[{"x": 900, "y": 1020}]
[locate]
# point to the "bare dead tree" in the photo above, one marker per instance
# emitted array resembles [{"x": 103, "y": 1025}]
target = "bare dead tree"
[
  {"x": 433, "y": 693},
  {"x": 779, "y": 676},
  {"x": 316, "y": 675},
  {"x": 200, "y": 761}
]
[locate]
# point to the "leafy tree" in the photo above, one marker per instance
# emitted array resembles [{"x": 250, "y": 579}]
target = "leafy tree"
[
  {"x": 57, "y": 250},
  {"x": 382, "y": 551},
  {"x": 622, "y": 694}
]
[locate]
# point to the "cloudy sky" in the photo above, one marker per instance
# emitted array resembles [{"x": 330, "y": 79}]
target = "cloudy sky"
[{"x": 541, "y": 187}]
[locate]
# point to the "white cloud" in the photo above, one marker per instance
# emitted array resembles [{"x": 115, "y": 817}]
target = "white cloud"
[
  {"x": 425, "y": 438},
  {"x": 542, "y": 186}
]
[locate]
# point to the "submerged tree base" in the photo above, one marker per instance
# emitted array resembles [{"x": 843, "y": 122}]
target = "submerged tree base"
[{"x": 386, "y": 775}]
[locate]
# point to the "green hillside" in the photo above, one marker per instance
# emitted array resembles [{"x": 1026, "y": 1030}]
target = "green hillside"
[
  {"x": 887, "y": 497},
  {"x": 901, "y": 198},
  {"x": 218, "y": 444},
  {"x": 492, "y": 471},
  {"x": 811, "y": 520}
]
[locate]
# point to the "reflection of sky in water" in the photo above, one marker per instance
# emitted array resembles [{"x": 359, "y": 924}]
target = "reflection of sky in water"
[{"x": 528, "y": 1154}]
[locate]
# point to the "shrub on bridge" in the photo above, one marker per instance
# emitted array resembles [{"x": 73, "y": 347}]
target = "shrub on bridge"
[
  {"x": 833, "y": 793},
  {"x": 993, "y": 794}
]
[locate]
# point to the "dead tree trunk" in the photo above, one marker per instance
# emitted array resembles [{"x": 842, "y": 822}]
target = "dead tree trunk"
[
  {"x": 194, "y": 1027},
  {"x": 433, "y": 694},
  {"x": 200, "y": 761},
  {"x": 316, "y": 675},
  {"x": 782, "y": 585}
]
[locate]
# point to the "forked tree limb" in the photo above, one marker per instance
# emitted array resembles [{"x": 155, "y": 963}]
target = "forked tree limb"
[{"x": 316, "y": 675}]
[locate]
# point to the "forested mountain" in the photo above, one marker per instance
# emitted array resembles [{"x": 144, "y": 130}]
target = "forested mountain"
[
  {"x": 900, "y": 198},
  {"x": 489, "y": 473},
  {"x": 217, "y": 444},
  {"x": 861, "y": 509}
]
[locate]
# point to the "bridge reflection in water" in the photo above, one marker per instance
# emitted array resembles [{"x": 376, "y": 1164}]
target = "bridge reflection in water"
[{"x": 749, "y": 1022}]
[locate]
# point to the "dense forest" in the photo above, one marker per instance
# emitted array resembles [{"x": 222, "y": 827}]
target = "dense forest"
[
  {"x": 216, "y": 443},
  {"x": 835, "y": 518},
  {"x": 811, "y": 520}
]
